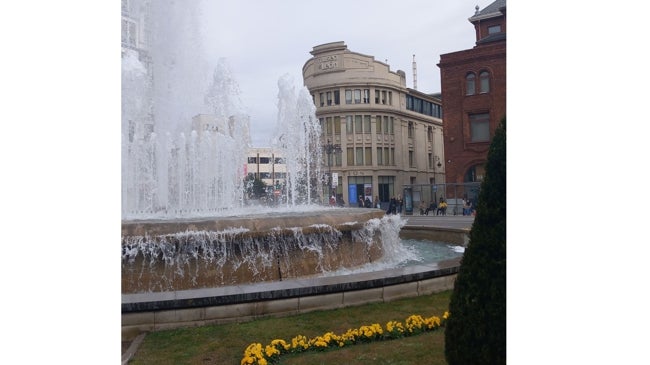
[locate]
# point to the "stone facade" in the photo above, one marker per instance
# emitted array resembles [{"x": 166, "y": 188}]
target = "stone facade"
[
  {"x": 389, "y": 135},
  {"x": 267, "y": 165},
  {"x": 473, "y": 85}
]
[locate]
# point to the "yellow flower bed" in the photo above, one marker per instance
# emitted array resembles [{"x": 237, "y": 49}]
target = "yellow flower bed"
[{"x": 255, "y": 353}]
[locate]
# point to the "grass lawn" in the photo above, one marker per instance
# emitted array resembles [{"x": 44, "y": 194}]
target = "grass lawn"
[{"x": 225, "y": 344}]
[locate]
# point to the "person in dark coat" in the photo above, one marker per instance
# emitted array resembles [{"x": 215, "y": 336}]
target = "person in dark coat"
[{"x": 392, "y": 206}]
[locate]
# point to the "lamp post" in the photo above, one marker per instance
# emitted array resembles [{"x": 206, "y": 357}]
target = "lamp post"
[{"x": 329, "y": 149}]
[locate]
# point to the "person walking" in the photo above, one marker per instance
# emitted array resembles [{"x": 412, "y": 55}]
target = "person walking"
[{"x": 400, "y": 203}]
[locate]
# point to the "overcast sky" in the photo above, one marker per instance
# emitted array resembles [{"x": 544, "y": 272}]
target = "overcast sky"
[{"x": 264, "y": 40}]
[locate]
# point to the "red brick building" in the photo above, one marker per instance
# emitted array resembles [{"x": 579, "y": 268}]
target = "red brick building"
[{"x": 473, "y": 84}]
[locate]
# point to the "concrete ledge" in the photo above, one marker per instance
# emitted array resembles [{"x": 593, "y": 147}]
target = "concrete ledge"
[
  {"x": 280, "y": 298},
  {"x": 406, "y": 290},
  {"x": 318, "y": 302},
  {"x": 457, "y": 236}
]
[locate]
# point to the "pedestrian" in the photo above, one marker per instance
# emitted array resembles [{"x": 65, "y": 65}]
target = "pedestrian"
[
  {"x": 442, "y": 207},
  {"x": 400, "y": 203},
  {"x": 367, "y": 203},
  {"x": 375, "y": 203},
  {"x": 360, "y": 202},
  {"x": 431, "y": 208},
  {"x": 467, "y": 207},
  {"x": 332, "y": 201},
  {"x": 391, "y": 206}
]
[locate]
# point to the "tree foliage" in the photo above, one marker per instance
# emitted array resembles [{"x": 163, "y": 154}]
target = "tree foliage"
[
  {"x": 476, "y": 329},
  {"x": 255, "y": 188}
]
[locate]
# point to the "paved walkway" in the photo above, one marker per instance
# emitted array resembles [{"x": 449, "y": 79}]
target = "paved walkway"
[{"x": 441, "y": 221}]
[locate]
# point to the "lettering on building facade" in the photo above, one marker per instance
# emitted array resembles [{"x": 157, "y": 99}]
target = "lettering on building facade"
[{"x": 328, "y": 62}]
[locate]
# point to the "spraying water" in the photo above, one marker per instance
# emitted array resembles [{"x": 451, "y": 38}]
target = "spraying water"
[{"x": 185, "y": 136}]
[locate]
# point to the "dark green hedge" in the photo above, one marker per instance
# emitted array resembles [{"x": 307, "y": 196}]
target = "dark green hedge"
[{"x": 476, "y": 329}]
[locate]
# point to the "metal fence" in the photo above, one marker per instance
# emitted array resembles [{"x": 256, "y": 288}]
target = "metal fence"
[{"x": 453, "y": 194}]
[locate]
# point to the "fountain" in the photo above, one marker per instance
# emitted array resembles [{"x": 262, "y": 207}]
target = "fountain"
[{"x": 188, "y": 238}]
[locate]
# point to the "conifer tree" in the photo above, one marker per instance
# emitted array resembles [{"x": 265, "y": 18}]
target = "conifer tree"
[{"x": 475, "y": 332}]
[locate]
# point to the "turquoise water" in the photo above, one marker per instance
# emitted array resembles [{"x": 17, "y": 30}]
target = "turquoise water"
[{"x": 426, "y": 252}]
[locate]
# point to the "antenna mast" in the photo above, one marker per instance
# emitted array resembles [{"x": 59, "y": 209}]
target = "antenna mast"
[{"x": 415, "y": 74}]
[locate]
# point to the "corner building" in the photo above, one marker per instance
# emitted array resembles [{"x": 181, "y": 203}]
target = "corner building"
[
  {"x": 389, "y": 135},
  {"x": 473, "y": 84}
]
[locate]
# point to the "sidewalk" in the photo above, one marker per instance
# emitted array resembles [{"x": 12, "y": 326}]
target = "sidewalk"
[{"x": 439, "y": 221}]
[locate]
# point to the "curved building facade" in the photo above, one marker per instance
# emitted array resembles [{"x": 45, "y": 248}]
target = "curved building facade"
[{"x": 377, "y": 134}]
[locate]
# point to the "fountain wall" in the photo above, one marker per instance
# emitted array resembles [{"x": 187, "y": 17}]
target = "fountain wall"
[{"x": 161, "y": 256}]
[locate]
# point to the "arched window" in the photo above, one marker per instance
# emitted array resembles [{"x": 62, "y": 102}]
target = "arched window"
[
  {"x": 470, "y": 81},
  {"x": 475, "y": 173},
  {"x": 484, "y": 78}
]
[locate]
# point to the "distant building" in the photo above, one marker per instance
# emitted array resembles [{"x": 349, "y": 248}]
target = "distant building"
[
  {"x": 473, "y": 84},
  {"x": 389, "y": 135},
  {"x": 137, "y": 117},
  {"x": 267, "y": 165}
]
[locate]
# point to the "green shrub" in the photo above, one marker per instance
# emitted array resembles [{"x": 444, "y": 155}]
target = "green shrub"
[{"x": 476, "y": 329}]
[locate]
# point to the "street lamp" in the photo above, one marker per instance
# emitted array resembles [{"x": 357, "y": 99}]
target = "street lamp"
[{"x": 329, "y": 149}]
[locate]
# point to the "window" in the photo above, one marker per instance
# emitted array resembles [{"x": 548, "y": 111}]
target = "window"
[
  {"x": 337, "y": 125},
  {"x": 479, "y": 125},
  {"x": 475, "y": 173},
  {"x": 494, "y": 29},
  {"x": 383, "y": 96},
  {"x": 128, "y": 32},
  {"x": 337, "y": 97},
  {"x": 385, "y": 126},
  {"x": 349, "y": 124},
  {"x": 357, "y": 96},
  {"x": 322, "y": 99},
  {"x": 376, "y": 96},
  {"x": 484, "y": 79},
  {"x": 430, "y": 159},
  {"x": 348, "y": 96},
  {"x": 279, "y": 160},
  {"x": 329, "y": 98},
  {"x": 252, "y": 160},
  {"x": 386, "y": 187},
  {"x": 410, "y": 130},
  {"x": 430, "y": 134},
  {"x": 350, "y": 154},
  {"x": 264, "y": 160},
  {"x": 368, "y": 156},
  {"x": 390, "y": 98},
  {"x": 366, "y": 96},
  {"x": 411, "y": 161},
  {"x": 366, "y": 124},
  {"x": 357, "y": 124},
  {"x": 359, "y": 157},
  {"x": 328, "y": 125},
  {"x": 380, "y": 155},
  {"x": 470, "y": 84}
]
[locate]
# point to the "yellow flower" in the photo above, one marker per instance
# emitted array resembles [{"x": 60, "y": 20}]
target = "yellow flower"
[{"x": 271, "y": 350}]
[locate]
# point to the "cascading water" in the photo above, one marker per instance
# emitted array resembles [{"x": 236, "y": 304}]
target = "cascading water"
[{"x": 202, "y": 258}]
